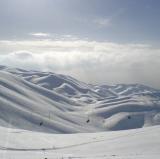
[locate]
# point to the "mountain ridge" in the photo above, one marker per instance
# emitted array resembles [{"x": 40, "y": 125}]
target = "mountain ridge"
[{"x": 53, "y": 103}]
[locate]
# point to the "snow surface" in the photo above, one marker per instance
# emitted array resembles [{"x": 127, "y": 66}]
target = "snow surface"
[
  {"x": 141, "y": 143},
  {"x": 48, "y": 115}
]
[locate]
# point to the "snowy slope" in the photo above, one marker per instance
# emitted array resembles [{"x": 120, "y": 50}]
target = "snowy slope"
[
  {"x": 48, "y": 102},
  {"x": 141, "y": 143}
]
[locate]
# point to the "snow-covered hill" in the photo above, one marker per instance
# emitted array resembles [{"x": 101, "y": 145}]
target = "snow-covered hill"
[
  {"x": 35, "y": 104},
  {"x": 48, "y": 102}
]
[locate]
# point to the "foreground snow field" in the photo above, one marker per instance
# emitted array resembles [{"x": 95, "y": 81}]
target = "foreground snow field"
[
  {"x": 45, "y": 116},
  {"x": 143, "y": 143}
]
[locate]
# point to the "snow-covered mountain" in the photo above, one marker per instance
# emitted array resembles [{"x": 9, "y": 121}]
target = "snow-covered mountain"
[
  {"x": 35, "y": 104},
  {"x": 54, "y": 103}
]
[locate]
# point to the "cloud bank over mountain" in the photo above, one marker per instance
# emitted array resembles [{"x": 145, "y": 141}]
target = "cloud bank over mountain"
[{"x": 90, "y": 61}]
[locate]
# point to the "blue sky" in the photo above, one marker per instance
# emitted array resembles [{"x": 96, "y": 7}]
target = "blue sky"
[
  {"x": 111, "y": 20},
  {"x": 96, "y": 41}
]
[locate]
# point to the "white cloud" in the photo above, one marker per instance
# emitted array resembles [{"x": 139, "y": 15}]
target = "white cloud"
[
  {"x": 90, "y": 61},
  {"x": 102, "y": 22},
  {"x": 42, "y": 35},
  {"x": 22, "y": 55}
]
